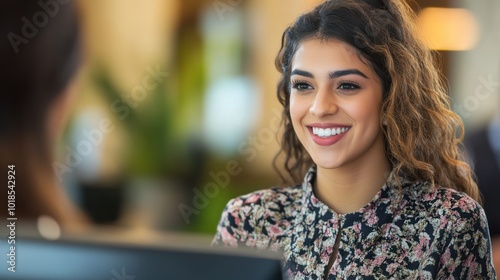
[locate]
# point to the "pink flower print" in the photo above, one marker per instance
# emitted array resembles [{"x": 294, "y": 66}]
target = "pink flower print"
[
  {"x": 314, "y": 201},
  {"x": 464, "y": 205},
  {"x": 275, "y": 230},
  {"x": 252, "y": 199},
  {"x": 378, "y": 260},
  {"x": 470, "y": 263},
  {"x": 446, "y": 260},
  {"x": 366, "y": 270},
  {"x": 422, "y": 245},
  {"x": 443, "y": 222},
  {"x": 228, "y": 238},
  {"x": 358, "y": 252},
  {"x": 392, "y": 267},
  {"x": 236, "y": 218},
  {"x": 430, "y": 196},
  {"x": 357, "y": 228},
  {"x": 371, "y": 217}
]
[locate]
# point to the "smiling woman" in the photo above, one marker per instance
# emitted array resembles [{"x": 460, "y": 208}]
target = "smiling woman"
[{"x": 387, "y": 194}]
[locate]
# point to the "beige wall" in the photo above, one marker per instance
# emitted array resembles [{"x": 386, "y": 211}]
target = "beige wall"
[
  {"x": 127, "y": 35},
  {"x": 470, "y": 69}
]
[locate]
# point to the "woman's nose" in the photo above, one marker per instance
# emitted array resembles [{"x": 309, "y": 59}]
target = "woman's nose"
[{"x": 324, "y": 104}]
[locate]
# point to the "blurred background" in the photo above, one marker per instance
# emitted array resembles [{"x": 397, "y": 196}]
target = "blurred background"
[{"x": 177, "y": 112}]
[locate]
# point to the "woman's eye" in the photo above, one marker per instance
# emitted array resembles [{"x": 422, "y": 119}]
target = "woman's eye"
[
  {"x": 348, "y": 86},
  {"x": 301, "y": 86}
]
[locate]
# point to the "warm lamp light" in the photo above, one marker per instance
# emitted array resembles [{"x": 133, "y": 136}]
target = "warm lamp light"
[{"x": 449, "y": 29}]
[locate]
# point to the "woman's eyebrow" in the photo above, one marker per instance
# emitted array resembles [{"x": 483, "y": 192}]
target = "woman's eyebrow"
[
  {"x": 302, "y": 73},
  {"x": 331, "y": 75},
  {"x": 340, "y": 73}
]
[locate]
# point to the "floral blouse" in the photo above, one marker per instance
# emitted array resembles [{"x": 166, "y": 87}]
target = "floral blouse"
[{"x": 420, "y": 232}]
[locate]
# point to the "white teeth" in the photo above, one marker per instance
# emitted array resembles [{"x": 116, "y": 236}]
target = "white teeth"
[{"x": 327, "y": 132}]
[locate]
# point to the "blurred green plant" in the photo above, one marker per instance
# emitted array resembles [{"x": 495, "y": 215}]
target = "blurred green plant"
[{"x": 148, "y": 121}]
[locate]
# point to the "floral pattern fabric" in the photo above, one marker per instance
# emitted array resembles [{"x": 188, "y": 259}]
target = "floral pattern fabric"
[{"x": 417, "y": 232}]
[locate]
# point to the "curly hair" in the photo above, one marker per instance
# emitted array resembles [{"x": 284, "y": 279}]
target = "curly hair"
[{"x": 423, "y": 136}]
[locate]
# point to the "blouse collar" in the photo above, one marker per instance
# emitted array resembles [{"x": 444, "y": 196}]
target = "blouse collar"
[{"x": 311, "y": 204}]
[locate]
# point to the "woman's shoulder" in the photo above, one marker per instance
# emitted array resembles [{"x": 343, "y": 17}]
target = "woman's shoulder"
[
  {"x": 273, "y": 204},
  {"x": 271, "y": 198},
  {"x": 459, "y": 224},
  {"x": 443, "y": 202},
  {"x": 259, "y": 216}
]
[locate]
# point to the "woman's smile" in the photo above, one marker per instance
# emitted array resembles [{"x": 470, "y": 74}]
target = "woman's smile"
[{"x": 327, "y": 134}]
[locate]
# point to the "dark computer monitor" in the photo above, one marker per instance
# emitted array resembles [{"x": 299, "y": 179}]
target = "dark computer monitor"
[{"x": 88, "y": 259}]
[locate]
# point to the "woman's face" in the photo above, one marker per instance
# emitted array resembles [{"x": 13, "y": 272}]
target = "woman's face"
[{"x": 335, "y": 104}]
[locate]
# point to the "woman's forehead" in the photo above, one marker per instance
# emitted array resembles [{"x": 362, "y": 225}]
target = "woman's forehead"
[{"x": 321, "y": 55}]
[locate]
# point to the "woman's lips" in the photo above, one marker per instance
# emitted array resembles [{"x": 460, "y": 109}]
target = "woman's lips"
[{"x": 327, "y": 134}]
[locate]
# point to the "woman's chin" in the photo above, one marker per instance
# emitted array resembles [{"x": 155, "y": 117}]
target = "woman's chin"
[{"x": 327, "y": 163}]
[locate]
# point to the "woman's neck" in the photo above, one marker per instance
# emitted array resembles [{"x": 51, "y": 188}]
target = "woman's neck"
[{"x": 349, "y": 188}]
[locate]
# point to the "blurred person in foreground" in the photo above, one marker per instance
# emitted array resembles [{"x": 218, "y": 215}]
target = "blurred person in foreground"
[
  {"x": 41, "y": 54},
  {"x": 484, "y": 148},
  {"x": 386, "y": 194}
]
